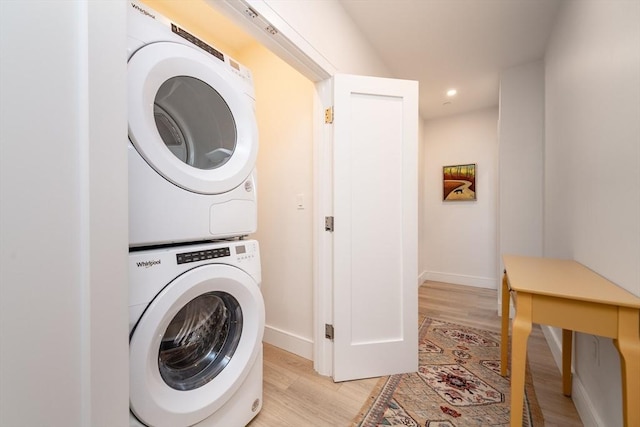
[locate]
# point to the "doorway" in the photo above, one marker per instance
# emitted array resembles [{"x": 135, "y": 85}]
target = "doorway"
[
  {"x": 301, "y": 292},
  {"x": 285, "y": 185}
]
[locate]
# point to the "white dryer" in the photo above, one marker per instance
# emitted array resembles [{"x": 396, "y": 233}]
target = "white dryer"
[
  {"x": 196, "y": 322},
  {"x": 193, "y": 138}
]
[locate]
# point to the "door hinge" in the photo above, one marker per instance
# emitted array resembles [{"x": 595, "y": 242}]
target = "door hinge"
[
  {"x": 251, "y": 13},
  {"x": 328, "y": 223},
  {"x": 328, "y": 115},
  {"x": 328, "y": 332}
]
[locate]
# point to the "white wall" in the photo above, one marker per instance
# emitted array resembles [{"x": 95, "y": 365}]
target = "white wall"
[
  {"x": 459, "y": 238},
  {"x": 63, "y": 223},
  {"x": 592, "y": 170},
  {"x": 521, "y": 161},
  {"x": 284, "y": 109}
]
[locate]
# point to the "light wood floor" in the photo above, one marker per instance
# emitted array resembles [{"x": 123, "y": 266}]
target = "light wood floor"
[{"x": 294, "y": 395}]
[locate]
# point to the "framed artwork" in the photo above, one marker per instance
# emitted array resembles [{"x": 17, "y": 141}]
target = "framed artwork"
[{"x": 459, "y": 182}]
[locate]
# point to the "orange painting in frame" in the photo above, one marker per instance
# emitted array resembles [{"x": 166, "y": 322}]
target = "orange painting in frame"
[{"x": 459, "y": 182}]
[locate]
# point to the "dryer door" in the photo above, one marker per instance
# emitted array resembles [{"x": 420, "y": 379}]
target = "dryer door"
[
  {"x": 190, "y": 119},
  {"x": 194, "y": 345}
]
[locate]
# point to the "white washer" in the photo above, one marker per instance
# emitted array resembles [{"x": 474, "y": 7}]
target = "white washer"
[
  {"x": 196, "y": 322},
  {"x": 193, "y": 138}
]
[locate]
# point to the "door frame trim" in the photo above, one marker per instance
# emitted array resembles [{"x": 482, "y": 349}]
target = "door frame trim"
[
  {"x": 298, "y": 53},
  {"x": 322, "y": 240}
]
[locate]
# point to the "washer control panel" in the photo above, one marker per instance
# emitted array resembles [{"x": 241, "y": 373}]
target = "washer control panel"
[
  {"x": 245, "y": 251},
  {"x": 196, "y": 256},
  {"x": 241, "y": 251}
]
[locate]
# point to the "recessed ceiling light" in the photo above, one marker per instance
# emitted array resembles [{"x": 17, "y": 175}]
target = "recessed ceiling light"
[{"x": 452, "y": 92}]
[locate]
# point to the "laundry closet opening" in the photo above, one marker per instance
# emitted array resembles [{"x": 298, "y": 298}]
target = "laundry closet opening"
[{"x": 284, "y": 112}]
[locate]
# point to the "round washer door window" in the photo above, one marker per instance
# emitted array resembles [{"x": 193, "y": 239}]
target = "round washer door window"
[
  {"x": 190, "y": 118},
  {"x": 200, "y": 340},
  {"x": 194, "y": 345}
]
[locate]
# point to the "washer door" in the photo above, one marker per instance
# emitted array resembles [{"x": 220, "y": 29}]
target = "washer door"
[
  {"x": 194, "y": 345},
  {"x": 189, "y": 119}
]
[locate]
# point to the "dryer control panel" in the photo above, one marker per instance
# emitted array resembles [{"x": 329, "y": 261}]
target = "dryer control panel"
[{"x": 193, "y": 39}]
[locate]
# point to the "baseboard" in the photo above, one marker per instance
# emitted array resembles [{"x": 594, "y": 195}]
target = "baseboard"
[
  {"x": 422, "y": 278},
  {"x": 580, "y": 394},
  {"x": 584, "y": 404},
  {"x": 292, "y": 343},
  {"x": 460, "y": 279}
]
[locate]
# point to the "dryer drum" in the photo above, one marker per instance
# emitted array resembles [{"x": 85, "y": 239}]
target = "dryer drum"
[
  {"x": 195, "y": 122},
  {"x": 172, "y": 135},
  {"x": 200, "y": 340}
]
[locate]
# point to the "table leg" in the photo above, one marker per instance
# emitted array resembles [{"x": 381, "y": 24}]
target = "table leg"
[
  {"x": 567, "y": 347},
  {"x": 504, "y": 342},
  {"x": 628, "y": 345},
  {"x": 519, "y": 336}
]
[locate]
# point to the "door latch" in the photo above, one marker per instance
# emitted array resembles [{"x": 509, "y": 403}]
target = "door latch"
[
  {"x": 328, "y": 223},
  {"x": 328, "y": 332}
]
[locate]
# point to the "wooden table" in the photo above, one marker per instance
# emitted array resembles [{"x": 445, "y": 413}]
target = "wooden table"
[{"x": 568, "y": 295}]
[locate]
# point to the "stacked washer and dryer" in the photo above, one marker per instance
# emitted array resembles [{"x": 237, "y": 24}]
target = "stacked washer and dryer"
[{"x": 196, "y": 313}]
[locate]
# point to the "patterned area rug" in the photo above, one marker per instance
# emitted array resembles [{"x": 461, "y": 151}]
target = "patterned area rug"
[{"x": 458, "y": 383}]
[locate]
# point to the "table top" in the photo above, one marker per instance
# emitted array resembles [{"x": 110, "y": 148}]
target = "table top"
[{"x": 564, "y": 279}]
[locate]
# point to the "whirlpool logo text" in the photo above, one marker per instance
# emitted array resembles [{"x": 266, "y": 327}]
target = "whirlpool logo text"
[
  {"x": 147, "y": 264},
  {"x": 141, "y": 10}
]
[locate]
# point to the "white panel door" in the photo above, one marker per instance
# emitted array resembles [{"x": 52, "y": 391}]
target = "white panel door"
[{"x": 375, "y": 252}]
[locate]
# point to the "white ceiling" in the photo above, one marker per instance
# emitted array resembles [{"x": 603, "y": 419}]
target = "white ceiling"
[{"x": 462, "y": 44}]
